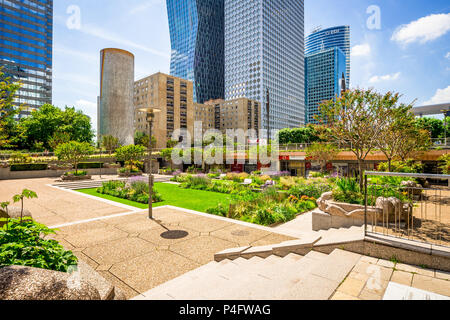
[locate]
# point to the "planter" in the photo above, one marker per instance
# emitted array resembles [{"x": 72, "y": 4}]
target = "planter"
[
  {"x": 4, "y": 165},
  {"x": 129, "y": 174},
  {"x": 111, "y": 165},
  {"x": 75, "y": 178}
]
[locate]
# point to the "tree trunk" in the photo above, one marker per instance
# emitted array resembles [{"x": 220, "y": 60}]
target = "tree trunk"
[
  {"x": 361, "y": 175},
  {"x": 21, "y": 211},
  {"x": 389, "y": 165}
]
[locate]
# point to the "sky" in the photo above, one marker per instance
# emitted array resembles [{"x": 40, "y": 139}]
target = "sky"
[{"x": 397, "y": 45}]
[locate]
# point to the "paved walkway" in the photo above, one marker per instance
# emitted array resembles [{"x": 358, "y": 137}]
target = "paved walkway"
[{"x": 125, "y": 246}]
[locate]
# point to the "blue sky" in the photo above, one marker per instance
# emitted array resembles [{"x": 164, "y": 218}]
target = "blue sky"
[{"x": 409, "y": 53}]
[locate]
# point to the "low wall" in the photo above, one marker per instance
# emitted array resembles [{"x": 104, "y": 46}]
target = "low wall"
[{"x": 6, "y": 174}]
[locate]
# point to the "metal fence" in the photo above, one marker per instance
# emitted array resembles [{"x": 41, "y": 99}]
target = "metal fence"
[{"x": 408, "y": 206}]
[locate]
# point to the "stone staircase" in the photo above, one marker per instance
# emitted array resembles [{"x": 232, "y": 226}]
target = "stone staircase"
[{"x": 313, "y": 276}]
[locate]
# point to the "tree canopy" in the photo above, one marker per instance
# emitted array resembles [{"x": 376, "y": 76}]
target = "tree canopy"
[
  {"x": 74, "y": 152},
  {"x": 46, "y": 123},
  {"x": 298, "y": 135},
  {"x": 8, "y": 90}
]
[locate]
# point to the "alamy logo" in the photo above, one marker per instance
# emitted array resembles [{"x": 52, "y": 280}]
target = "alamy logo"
[
  {"x": 74, "y": 20},
  {"x": 374, "y": 20}
]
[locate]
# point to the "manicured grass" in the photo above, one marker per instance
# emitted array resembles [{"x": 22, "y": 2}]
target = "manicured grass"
[{"x": 173, "y": 195}]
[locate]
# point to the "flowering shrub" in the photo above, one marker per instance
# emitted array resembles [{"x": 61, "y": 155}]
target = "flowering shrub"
[{"x": 135, "y": 189}]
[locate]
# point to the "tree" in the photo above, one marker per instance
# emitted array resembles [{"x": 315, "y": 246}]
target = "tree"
[
  {"x": 42, "y": 124},
  {"x": 322, "y": 152},
  {"x": 130, "y": 154},
  {"x": 166, "y": 154},
  {"x": 445, "y": 163},
  {"x": 356, "y": 121},
  {"x": 434, "y": 126},
  {"x": 19, "y": 198},
  {"x": 401, "y": 137},
  {"x": 8, "y": 91},
  {"x": 74, "y": 152},
  {"x": 141, "y": 138},
  {"x": 58, "y": 138},
  {"x": 306, "y": 134},
  {"x": 110, "y": 143}
]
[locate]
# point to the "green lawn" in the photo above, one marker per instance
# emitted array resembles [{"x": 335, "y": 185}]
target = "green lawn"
[{"x": 175, "y": 196}]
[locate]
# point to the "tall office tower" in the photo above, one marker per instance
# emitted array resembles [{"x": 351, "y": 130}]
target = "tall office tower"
[
  {"x": 197, "y": 38},
  {"x": 324, "y": 72},
  {"x": 264, "y": 49},
  {"x": 322, "y": 39},
  {"x": 26, "y": 33},
  {"x": 115, "y": 109}
]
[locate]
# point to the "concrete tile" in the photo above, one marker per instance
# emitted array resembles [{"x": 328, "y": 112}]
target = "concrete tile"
[
  {"x": 402, "y": 277},
  {"x": 375, "y": 286},
  {"x": 240, "y": 234},
  {"x": 386, "y": 263},
  {"x": 414, "y": 269},
  {"x": 373, "y": 270},
  {"x": 270, "y": 239},
  {"x": 95, "y": 236},
  {"x": 342, "y": 296},
  {"x": 201, "y": 249},
  {"x": 352, "y": 287},
  {"x": 435, "y": 285},
  {"x": 368, "y": 295},
  {"x": 442, "y": 275},
  {"x": 118, "y": 250},
  {"x": 126, "y": 289},
  {"x": 205, "y": 225},
  {"x": 155, "y": 236},
  {"x": 308, "y": 289},
  {"x": 150, "y": 270},
  {"x": 369, "y": 259}
]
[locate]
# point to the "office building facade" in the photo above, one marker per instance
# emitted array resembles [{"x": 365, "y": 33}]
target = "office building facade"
[
  {"x": 26, "y": 35},
  {"x": 335, "y": 37},
  {"x": 197, "y": 41},
  {"x": 264, "y": 49},
  {"x": 173, "y": 96},
  {"x": 325, "y": 77}
]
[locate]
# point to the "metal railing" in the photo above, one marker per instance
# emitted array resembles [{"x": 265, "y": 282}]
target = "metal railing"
[{"x": 408, "y": 206}]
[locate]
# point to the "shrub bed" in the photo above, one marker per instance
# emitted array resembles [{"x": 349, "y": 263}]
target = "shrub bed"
[
  {"x": 135, "y": 189},
  {"x": 90, "y": 165},
  {"x": 29, "y": 167}
]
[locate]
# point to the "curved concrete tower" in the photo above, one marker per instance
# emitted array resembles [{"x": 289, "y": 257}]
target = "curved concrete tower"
[{"x": 115, "y": 103}]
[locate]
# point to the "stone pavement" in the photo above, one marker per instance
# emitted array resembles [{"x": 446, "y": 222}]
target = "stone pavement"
[{"x": 370, "y": 277}]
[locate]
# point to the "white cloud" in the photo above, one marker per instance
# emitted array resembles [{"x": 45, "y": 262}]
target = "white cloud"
[
  {"x": 387, "y": 77},
  {"x": 441, "y": 96},
  {"x": 86, "y": 104},
  {"x": 448, "y": 55},
  {"x": 361, "y": 50},
  {"x": 423, "y": 30},
  {"x": 82, "y": 55},
  {"x": 97, "y": 32},
  {"x": 144, "y": 6}
]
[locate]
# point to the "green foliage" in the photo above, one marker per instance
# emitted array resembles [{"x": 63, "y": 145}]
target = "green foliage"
[
  {"x": 298, "y": 135},
  {"x": 131, "y": 153},
  {"x": 29, "y": 167},
  {"x": 434, "y": 126},
  {"x": 21, "y": 243},
  {"x": 110, "y": 143},
  {"x": 141, "y": 138},
  {"x": 312, "y": 188},
  {"x": 90, "y": 165},
  {"x": 136, "y": 189},
  {"x": 8, "y": 111},
  {"x": 74, "y": 152},
  {"x": 445, "y": 163},
  {"x": 76, "y": 173},
  {"x": 409, "y": 166},
  {"x": 44, "y": 124},
  {"x": 18, "y": 157},
  {"x": 58, "y": 138}
]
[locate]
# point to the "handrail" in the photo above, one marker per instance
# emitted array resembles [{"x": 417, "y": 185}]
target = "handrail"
[{"x": 408, "y": 175}]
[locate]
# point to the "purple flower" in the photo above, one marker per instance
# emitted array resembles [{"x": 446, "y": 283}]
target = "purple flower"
[{"x": 137, "y": 179}]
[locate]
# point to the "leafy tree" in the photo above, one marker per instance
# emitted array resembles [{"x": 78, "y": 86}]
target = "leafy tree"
[
  {"x": 171, "y": 143},
  {"x": 356, "y": 120},
  {"x": 58, "y": 138},
  {"x": 130, "y": 154},
  {"x": 110, "y": 143},
  {"x": 401, "y": 138},
  {"x": 141, "y": 138},
  {"x": 166, "y": 154},
  {"x": 28, "y": 194},
  {"x": 434, "y": 126},
  {"x": 8, "y": 91},
  {"x": 42, "y": 124},
  {"x": 322, "y": 152},
  {"x": 445, "y": 163},
  {"x": 74, "y": 152},
  {"x": 306, "y": 134}
]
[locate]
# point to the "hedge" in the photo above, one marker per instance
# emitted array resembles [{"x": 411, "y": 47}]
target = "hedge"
[
  {"x": 90, "y": 165},
  {"x": 29, "y": 167}
]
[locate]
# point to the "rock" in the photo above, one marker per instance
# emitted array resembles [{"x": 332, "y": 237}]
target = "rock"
[
  {"x": 412, "y": 188},
  {"x": 25, "y": 283},
  {"x": 322, "y": 201},
  {"x": 13, "y": 213}
]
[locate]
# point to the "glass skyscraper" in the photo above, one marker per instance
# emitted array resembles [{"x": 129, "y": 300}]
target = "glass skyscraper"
[
  {"x": 197, "y": 39},
  {"x": 324, "y": 72},
  {"x": 26, "y": 33},
  {"x": 322, "y": 39},
  {"x": 264, "y": 49}
]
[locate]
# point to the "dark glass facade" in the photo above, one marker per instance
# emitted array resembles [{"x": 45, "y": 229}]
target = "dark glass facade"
[
  {"x": 197, "y": 39},
  {"x": 26, "y": 32},
  {"x": 335, "y": 37}
]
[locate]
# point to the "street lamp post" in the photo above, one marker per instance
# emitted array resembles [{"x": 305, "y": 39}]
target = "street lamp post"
[{"x": 150, "y": 117}]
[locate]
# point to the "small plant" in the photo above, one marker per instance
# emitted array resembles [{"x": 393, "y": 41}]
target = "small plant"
[
  {"x": 28, "y": 194},
  {"x": 74, "y": 152},
  {"x": 394, "y": 259}
]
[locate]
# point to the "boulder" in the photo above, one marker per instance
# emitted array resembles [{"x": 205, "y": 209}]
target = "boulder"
[
  {"x": 412, "y": 187},
  {"x": 13, "y": 213},
  {"x": 25, "y": 283}
]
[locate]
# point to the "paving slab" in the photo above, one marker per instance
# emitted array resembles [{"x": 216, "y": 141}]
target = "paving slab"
[
  {"x": 401, "y": 277},
  {"x": 435, "y": 285},
  {"x": 240, "y": 234}
]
